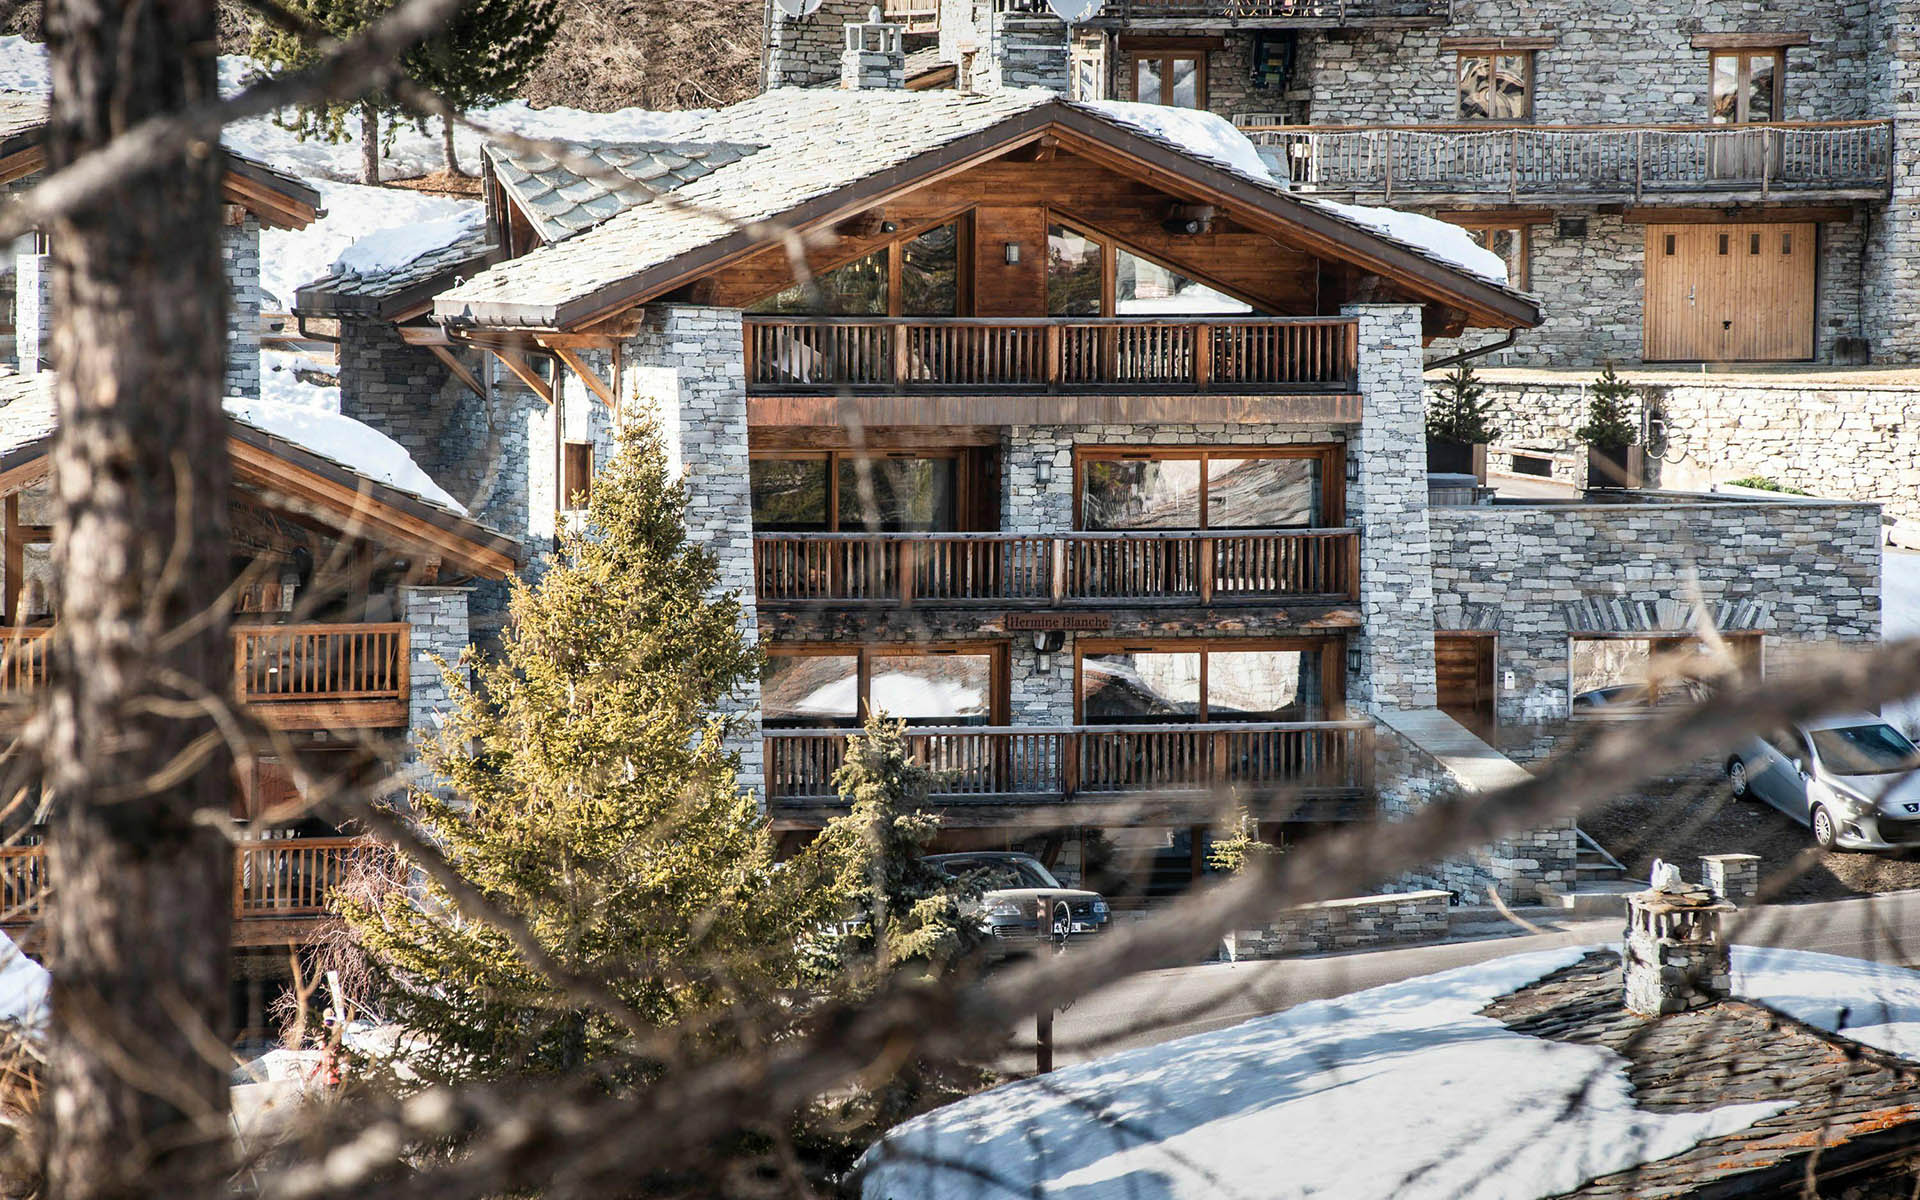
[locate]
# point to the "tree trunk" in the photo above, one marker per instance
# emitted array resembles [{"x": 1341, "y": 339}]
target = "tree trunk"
[
  {"x": 446, "y": 146},
  {"x": 369, "y": 143},
  {"x": 141, "y": 928}
]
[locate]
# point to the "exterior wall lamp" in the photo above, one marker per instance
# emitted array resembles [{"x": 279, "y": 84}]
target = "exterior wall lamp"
[{"x": 1012, "y": 252}]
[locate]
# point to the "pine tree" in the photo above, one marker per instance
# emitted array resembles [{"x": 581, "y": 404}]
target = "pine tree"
[
  {"x": 587, "y": 789},
  {"x": 1242, "y": 848},
  {"x": 1609, "y": 423},
  {"x": 1460, "y": 412},
  {"x": 281, "y": 51}
]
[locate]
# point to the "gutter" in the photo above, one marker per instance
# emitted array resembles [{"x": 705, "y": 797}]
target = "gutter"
[{"x": 1476, "y": 352}]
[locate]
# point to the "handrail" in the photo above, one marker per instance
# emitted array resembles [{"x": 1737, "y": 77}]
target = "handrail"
[
  {"x": 272, "y": 877},
  {"x": 992, "y": 535},
  {"x": 807, "y": 731},
  {"x": 1616, "y": 127},
  {"x": 1339, "y": 11},
  {"x": 1045, "y": 322}
]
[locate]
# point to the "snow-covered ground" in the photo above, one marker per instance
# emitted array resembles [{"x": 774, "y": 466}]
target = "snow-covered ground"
[{"x": 1400, "y": 1091}]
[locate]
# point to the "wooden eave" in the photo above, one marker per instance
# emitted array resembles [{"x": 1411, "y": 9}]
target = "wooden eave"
[
  {"x": 263, "y": 192},
  {"x": 1295, "y": 222}
]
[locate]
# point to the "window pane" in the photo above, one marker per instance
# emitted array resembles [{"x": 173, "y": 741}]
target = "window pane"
[
  {"x": 858, "y": 289},
  {"x": 789, "y": 493},
  {"x": 1184, "y": 91},
  {"x": 1073, "y": 274},
  {"x": 1141, "y": 494},
  {"x": 933, "y": 689},
  {"x": 929, "y": 274},
  {"x": 1264, "y": 685},
  {"x": 1146, "y": 80},
  {"x": 810, "y": 689},
  {"x": 1723, "y": 103},
  {"x": 1626, "y": 674},
  {"x": 1263, "y": 493},
  {"x": 1474, "y": 102},
  {"x": 1511, "y": 247},
  {"x": 1760, "y": 88},
  {"x": 1143, "y": 288},
  {"x": 1139, "y": 687},
  {"x": 1508, "y": 93},
  {"x": 907, "y": 494}
]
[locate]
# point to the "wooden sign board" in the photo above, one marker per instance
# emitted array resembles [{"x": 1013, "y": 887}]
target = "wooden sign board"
[{"x": 1050, "y": 622}]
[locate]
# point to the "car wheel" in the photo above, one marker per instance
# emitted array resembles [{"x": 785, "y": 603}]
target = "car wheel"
[
  {"x": 1823, "y": 830},
  {"x": 1737, "y": 780}
]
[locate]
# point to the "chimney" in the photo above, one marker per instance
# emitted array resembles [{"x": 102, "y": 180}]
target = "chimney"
[
  {"x": 1026, "y": 48},
  {"x": 33, "y": 303},
  {"x": 875, "y": 54},
  {"x": 1675, "y": 959}
]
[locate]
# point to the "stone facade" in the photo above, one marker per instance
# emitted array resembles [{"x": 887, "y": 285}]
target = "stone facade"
[
  {"x": 872, "y": 56},
  {"x": 33, "y": 304},
  {"x": 1024, "y": 51},
  {"x": 240, "y": 255},
  {"x": 805, "y": 51},
  {"x": 1735, "y": 876},
  {"x": 1387, "y": 499},
  {"x": 1800, "y": 574},
  {"x": 1361, "y": 923},
  {"x": 684, "y": 366},
  {"x": 1674, "y": 958},
  {"x": 1891, "y": 316},
  {"x": 438, "y": 631}
]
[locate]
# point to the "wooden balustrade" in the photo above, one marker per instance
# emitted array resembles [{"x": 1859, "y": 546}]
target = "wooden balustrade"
[
  {"x": 1524, "y": 161},
  {"x": 1281, "y": 12},
  {"x": 1041, "y": 764},
  {"x": 919, "y": 16},
  {"x": 302, "y": 662},
  {"x": 282, "y": 877},
  {"x": 1047, "y": 354},
  {"x": 23, "y": 658},
  {"x": 1203, "y": 567}
]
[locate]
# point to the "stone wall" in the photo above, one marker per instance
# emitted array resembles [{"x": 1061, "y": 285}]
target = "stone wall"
[
  {"x": 684, "y": 367},
  {"x": 805, "y": 51},
  {"x": 1024, "y": 51},
  {"x": 33, "y": 305},
  {"x": 1799, "y": 573},
  {"x": 438, "y": 629},
  {"x": 1361, "y": 923},
  {"x": 1892, "y": 270},
  {"x": 240, "y": 255}
]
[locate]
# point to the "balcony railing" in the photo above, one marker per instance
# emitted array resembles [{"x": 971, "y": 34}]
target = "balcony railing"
[
  {"x": 1048, "y": 354},
  {"x": 294, "y": 676},
  {"x": 1281, "y": 13},
  {"x": 919, "y": 16},
  {"x": 1096, "y": 761},
  {"x": 290, "y": 877},
  {"x": 1252, "y": 566},
  {"x": 1620, "y": 161}
]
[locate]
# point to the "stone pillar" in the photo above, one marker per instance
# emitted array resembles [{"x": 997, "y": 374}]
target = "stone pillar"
[
  {"x": 33, "y": 304},
  {"x": 1387, "y": 468},
  {"x": 805, "y": 51},
  {"x": 1734, "y": 876},
  {"x": 1674, "y": 958},
  {"x": 437, "y": 621},
  {"x": 684, "y": 366},
  {"x": 874, "y": 55},
  {"x": 1890, "y": 282},
  {"x": 240, "y": 254},
  {"x": 1025, "y": 50}
]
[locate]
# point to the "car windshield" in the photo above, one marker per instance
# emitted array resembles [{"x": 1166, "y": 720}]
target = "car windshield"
[
  {"x": 1865, "y": 750},
  {"x": 1001, "y": 874}
]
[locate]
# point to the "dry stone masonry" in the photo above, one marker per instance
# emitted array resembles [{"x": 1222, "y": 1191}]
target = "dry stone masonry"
[{"x": 1361, "y": 923}]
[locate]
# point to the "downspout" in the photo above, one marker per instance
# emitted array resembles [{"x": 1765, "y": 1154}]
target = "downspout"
[
  {"x": 1476, "y": 352},
  {"x": 300, "y": 327}
]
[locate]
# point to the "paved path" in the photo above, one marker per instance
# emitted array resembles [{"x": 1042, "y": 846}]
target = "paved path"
[{"x": 1161, "y": 1005}]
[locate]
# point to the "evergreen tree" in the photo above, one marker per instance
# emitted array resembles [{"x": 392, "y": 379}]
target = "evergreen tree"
[
  {"x": 1461, "y": 413},
  {"x": 1609, "y": 423},
  {"x": 281, "y": 51},
  {"x": 588, "y": 790},
  {"x": 1242, "y": 848}
]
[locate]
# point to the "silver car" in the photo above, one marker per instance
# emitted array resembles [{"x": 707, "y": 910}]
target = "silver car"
[
  {"x": 1012, "y": 886},
  {"x": 1850, "y": 779}
]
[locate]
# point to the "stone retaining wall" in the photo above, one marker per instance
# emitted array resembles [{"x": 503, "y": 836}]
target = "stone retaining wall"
[{"x": 1361, "y": 923}]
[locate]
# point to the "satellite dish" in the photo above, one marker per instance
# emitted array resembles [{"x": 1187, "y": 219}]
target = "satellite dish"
[
  {"x": 1071, "y": 11},
  {"x": 798, "y": 8}
]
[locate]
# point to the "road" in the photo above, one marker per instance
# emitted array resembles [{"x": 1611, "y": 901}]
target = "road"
[{"x": 1161, "y": 1005}]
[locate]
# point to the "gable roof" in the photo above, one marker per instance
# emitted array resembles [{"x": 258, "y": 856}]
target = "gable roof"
[
  {"x": 279, "y": 199},
  {"x": 390, "y": 293},
  {"x": 829, "y": 154},
  {"x": 559, "y": 201},
  {"x": 305, "y": 474}
]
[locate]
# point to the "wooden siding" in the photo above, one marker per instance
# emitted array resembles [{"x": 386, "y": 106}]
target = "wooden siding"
[
  {"x": 1464, "y": 670},
  {"x": 1729, "y": 293}
]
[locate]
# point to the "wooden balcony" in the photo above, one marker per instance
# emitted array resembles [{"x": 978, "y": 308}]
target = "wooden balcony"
[
  {"x": 1468, "y": 163},
  {"x": 1046, "y": 355},
  {"x": 1275, "y": 14},
  {"x": 281, "y": 887},
  {"x": 1137, "y": 567},
  {"x": 1098, "y": 767},
  {"x": 919, "y": 16},
  {"x": 292, "y": 676}
]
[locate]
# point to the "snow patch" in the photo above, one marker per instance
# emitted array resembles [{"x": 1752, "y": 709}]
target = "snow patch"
[
  {"x": 280, "y": 381},
  {"x": 380, "y": 252},
  {"x": 1193, "y": 130},
  {"x": 1900, "y": 618},
  {"x": 290, "y": 258},
  {"x": 1371, "y": 1095},
  {"x": 23, "y": 987},
  {"x": 359, "y": 447},
  {"x": 1438, "y": 238},
  {"x": 1870, "y": 1003}
]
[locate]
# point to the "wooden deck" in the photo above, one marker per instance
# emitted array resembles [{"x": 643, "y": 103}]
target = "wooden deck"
[
  {"x": 1140, "y": 567},
  {"x": 988, "y": 773},
  {"x": 1832, "y": 160},
  {"x": 1250, "y": 355}
]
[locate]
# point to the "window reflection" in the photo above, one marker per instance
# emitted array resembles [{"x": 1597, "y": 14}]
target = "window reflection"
[
  {"x": 930, "y": 274},
  {"x": 858, "y": 289},
  {"x": 895, "y": 495},
  {"x": 1263, "y": 493},
  {"x": 1150, "y": 685},
  {"x": 1141, "y": 494},
  {"x": 1264, "y": 685},
  {"x": 1496, "y": 87},
  {"x": 932, "y": 689},
  {"x": 1139, "y": 687},
  {"x": 1073, "y": 274},
  {"x": 810, "y": 689},
  {"x": 1143, "y": 288},
  {"x": 789, "y": 494},
  {"x": 1202, "y": 490}
]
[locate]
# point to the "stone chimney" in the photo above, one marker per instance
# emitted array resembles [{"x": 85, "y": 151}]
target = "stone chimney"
[
  {"x": 1675, "y": 959},
  {"x": 1025, "y": 50},
  {"x": 875, "y": 55},
  {"x": 32, "y": 304}
]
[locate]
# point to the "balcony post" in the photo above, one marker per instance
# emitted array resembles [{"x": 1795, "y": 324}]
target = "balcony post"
[
  {"x": 1639, "y": 162},
  {"x": 1202, "y": 357},
  {"x": 1059, "y": 580},
  {"x": 1205, "y": 550}
]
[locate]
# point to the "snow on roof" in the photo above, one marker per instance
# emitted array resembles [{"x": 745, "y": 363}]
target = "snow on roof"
[
  {"x": 23, "y": 987},
  {"x": 360, "y": 448},
  {"x": 354, "y": 213},
  {"x": 1398, "y": 1091},
  {"x": 281, "y": 381},
  {"x": 1442, "y": 239}
]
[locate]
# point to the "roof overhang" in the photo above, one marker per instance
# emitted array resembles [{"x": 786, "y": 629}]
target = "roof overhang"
[
  {"x": 277, "y": 198},
  {"x": 316, "y": 300}
]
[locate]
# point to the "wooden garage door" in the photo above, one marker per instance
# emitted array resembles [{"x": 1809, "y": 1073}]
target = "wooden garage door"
[
  {"x": 1463, "y": 666},
  {"x": 1729, "y": 293}
]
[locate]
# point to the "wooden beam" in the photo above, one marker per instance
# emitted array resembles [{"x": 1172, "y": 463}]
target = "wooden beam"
[
  {"x": 1749, "y": 41},
  {"x": 517, "y": 363},
  {"x": 25, "y": 475},
  {"x": 1131, "y": 42},
  {"x": 424, "y": 335},
  {"x": 22, "y": 163},
  {"x": 459, "y": 369},
  {"x": 1495, "y": 218},
  {"x": 1748, "y": 214},
  {"x": 585, "y": 371},
  {"x": 1491, "y": 44}
]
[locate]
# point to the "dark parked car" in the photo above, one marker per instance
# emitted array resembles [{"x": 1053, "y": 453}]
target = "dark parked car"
[
  {"x": 1850, "y": 779},
  {"x": 1012, "y": 887}
]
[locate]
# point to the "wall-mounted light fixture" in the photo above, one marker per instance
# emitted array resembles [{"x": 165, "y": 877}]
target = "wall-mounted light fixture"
[
  {"x": 889, "y": 227},
  {"x": 1012, "y": 251},
  {"x": 1043, "y": 472},
  {"x": 1049, "y": 641}
]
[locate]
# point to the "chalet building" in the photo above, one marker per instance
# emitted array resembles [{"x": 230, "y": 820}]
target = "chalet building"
[{"x": 1675, "y": 182}]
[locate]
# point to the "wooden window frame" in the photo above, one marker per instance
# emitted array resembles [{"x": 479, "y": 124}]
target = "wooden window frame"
[
  {"x": 1333, "y": 663},
  {"x": 1166, "y": 57},
  {"x": 1736, "y": 638},
  {"x": 18, "y": 537},
  {"x": 1110, "y": 249},
  {"x": 896, "y": 251},
  {"x": 572, "y": 471},
  {"x": 1522, "y": 229},
  {"x": 1333, "y": 471},
  {"x": 962, "y": 487},
  {"x": 1463, "y": 53},
  {"x": 998, "y": 652},
  {"x": 1743, "y": 74}
]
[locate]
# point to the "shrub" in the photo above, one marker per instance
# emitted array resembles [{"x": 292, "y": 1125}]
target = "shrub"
[
  {"x": 1609, "y": 424},
  {"x": 1460, "y": 412}
]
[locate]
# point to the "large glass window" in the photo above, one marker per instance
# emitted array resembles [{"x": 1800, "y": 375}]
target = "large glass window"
[
  {"x": 919, "y": 685},
  {"x": 810, "y": 689},
  {"x": 933, "y": 689},
  {"x": 828, "y": 490},
  {"x": 1143, "y": 288},
  {"x": 1178, "y": 682},
  {"x": 1224, "y": 488},
  {"x": 1176, "y": 80},
  {"x": 1620, "y": 676},
  {"x": 928, "y": 283},
  {"x": 856, "y": 289},
  {"x": 1074, "y": 274},
  {"x": 791, "y": 494},
  {"x": 1080, "y": 284},
  {"x": 930, "y": 274},
  {"x": 1496, "y": 87}
]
